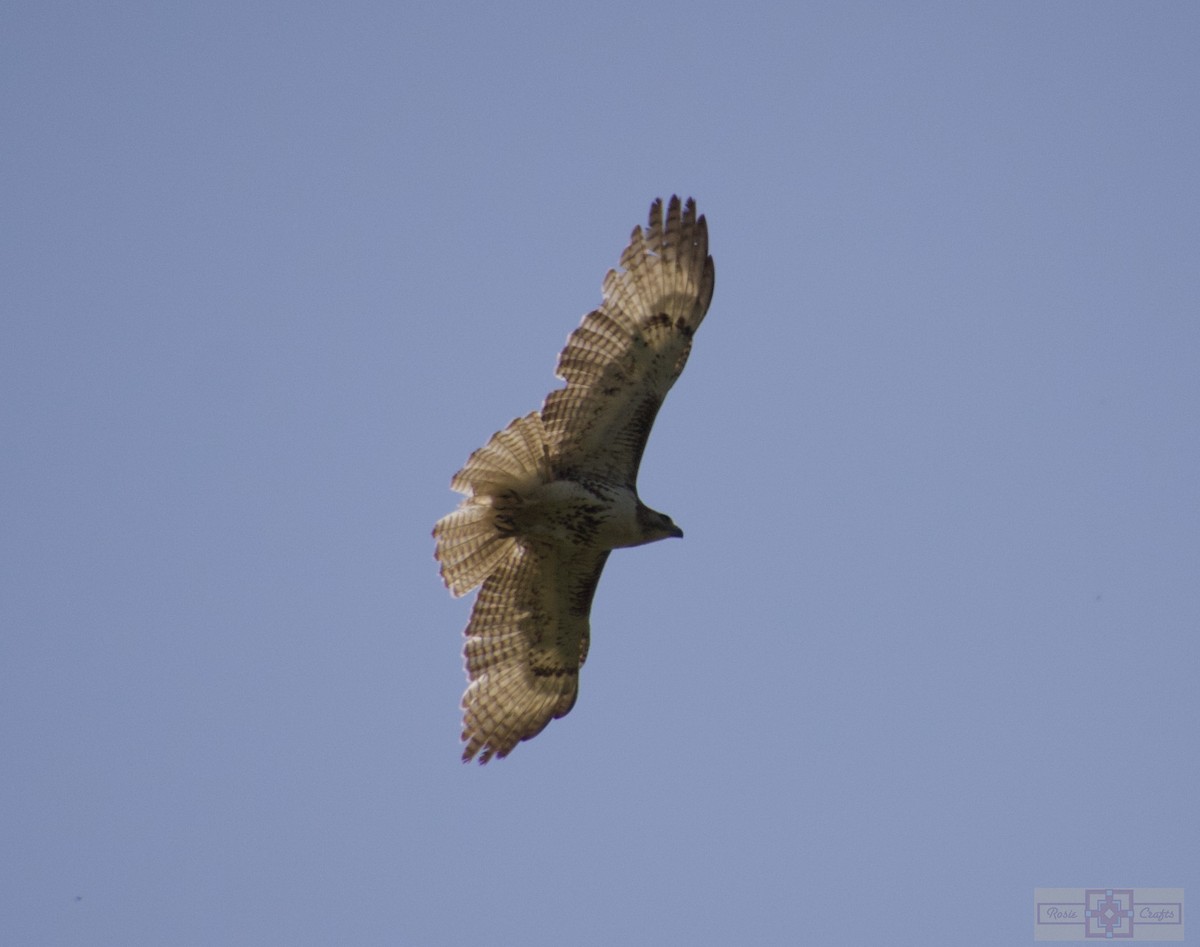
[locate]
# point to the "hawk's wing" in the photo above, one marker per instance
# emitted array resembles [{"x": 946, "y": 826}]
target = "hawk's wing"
[
  {"x": 526, "y": 641},
  {"x": 622, "y": 360}
]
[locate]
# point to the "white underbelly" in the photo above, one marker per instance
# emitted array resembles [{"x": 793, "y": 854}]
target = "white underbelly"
[{"x": 564, "y": 512}]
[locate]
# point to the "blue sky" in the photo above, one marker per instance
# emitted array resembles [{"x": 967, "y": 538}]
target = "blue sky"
[{"x": 271, "y": 272}]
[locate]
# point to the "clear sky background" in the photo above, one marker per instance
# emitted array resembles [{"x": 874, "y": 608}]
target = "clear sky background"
[{"x": 271, "y": 272}]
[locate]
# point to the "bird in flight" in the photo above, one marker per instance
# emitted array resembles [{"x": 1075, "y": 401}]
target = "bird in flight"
[{"x": 550, "y": 496}]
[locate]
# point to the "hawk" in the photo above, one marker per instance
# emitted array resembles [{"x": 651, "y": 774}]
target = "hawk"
[{"x": 550, "y": 496}]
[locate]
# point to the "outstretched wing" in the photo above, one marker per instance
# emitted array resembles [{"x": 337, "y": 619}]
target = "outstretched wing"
[
  {"x": 622, "y": 360},
  {"x": 526, "y": 641}
]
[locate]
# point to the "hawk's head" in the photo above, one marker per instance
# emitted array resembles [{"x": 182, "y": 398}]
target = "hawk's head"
[{"x": 655, "y": 525}]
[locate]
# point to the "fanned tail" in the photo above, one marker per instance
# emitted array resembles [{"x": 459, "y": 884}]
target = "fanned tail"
[{"x": 474, "y": 539}]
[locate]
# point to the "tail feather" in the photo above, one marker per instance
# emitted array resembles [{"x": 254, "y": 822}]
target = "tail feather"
[
  {"x": 468, "y": 546},
  {"x": 474, "y": 539}
]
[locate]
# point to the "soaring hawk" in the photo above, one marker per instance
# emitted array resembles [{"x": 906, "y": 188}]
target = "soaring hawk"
[{"x": 552, "y": 494}]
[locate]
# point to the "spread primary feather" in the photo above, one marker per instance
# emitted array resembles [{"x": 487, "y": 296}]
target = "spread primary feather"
[{"x": 552, "y": 494}]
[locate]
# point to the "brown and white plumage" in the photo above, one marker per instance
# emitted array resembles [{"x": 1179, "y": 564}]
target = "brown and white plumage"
[{"x": 552, "y": 494}]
